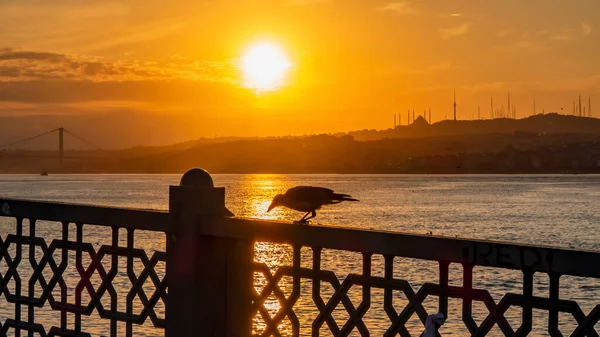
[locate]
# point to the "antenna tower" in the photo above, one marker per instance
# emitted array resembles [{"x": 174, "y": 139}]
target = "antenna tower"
[{"x": 454, "y": 104}]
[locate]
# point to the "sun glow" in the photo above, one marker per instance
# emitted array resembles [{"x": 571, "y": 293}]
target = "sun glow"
[{"x": 264, "y": 66}]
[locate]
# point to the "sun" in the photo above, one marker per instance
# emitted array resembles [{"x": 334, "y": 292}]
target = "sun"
[{"x": 264, "y": 66}]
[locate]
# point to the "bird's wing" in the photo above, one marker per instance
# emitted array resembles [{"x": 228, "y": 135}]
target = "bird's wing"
[{"x": 309, "y": 193}]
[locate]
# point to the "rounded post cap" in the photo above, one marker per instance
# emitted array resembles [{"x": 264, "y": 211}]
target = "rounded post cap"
[{"x": 196, "y": 177}]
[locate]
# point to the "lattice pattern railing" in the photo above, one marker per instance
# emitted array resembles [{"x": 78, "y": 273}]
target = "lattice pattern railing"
[
  {"x": 397, "y": 318},
  {"x": 75, "y": 279}
]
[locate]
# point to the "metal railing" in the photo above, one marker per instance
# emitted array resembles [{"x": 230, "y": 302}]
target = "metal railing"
[
  {"x": 56, "y": 269},
  {"x": 469, "y": 254},
  {"x": 219, "y": 285}
]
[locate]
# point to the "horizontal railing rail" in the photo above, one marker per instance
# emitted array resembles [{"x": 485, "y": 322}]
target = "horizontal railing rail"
[
  {"x": 150, "y": 220},
  {"x": 537, "y": 258}
]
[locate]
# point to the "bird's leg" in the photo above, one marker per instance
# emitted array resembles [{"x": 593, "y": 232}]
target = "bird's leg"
[
  {"x": 303, "y": 220},
  {"x": 313, "y": 214}
]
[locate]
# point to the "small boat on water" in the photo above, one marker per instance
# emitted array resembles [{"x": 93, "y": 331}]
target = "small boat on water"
[{"x": 44, "y": 173}]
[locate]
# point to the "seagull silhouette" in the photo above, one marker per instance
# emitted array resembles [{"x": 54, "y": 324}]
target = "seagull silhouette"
[{"x": 308, "y": 199}]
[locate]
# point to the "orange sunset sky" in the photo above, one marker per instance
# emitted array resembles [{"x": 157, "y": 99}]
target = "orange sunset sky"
[{"x": 347, "y": 64}]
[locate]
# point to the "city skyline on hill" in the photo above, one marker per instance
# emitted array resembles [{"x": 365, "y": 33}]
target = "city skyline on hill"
[{"x": 26, "y": 138}]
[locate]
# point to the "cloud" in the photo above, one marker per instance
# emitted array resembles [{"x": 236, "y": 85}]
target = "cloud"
[
  {"x": 9, "y": 54},
  {"x": 586, "y": 29},
  {"x": 446, "y": 33},
  {"x": 24, "y": 65},
  {"x": 519, "y": 43},
  {"x": 570, "y": 33},
  {"x": 565, "y": 35},
  {"x": 400, "y": 7},
  {"x": 529, "y": 46},
  {"x": 455, "y": 15},
  {"x": 10, "y": 72},
  {"x": 46, "y": 77}
]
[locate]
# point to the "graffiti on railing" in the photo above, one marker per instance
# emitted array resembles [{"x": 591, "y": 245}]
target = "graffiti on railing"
[{"x": 509, "y": 256}]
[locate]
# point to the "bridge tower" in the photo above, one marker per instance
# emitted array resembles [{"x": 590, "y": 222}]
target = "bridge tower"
[{"x": 61, "y": 132}]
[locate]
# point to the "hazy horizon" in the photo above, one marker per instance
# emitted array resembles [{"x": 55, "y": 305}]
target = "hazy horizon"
[{"x": 338, "y": 66}]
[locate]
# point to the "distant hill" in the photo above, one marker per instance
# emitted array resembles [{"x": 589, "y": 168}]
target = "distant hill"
[
  {"x": 490, "y": 153},
  {"x": 551, "y": 123},
  {"x": 540, "y": 144}
]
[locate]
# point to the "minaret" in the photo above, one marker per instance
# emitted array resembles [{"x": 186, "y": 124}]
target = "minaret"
[
  {"x": 579, "y": 105},
  {"x": 429, "y": 116},
  {"x": 509, "y": 110},
  {"x": 479, "y": 112},
  {"x": 454, "y": 104},
  {"x": 590, "y": 105},
  {"x": 492, "y": 106}
]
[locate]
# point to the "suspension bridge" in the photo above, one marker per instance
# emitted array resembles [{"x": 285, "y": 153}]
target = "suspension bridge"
[{"x": 37, "y": 154}]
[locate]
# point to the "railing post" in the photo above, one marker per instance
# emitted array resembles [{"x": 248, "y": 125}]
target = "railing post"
[{"x": 210, "y": 278}]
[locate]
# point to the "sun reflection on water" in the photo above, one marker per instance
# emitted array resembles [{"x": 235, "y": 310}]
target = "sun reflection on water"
[
  {"x": 259, "y": 190},
  {"x": 273, "y": 256}
]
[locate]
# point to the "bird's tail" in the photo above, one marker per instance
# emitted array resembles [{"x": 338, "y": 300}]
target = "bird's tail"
[{"x": 344, "y": 197}]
